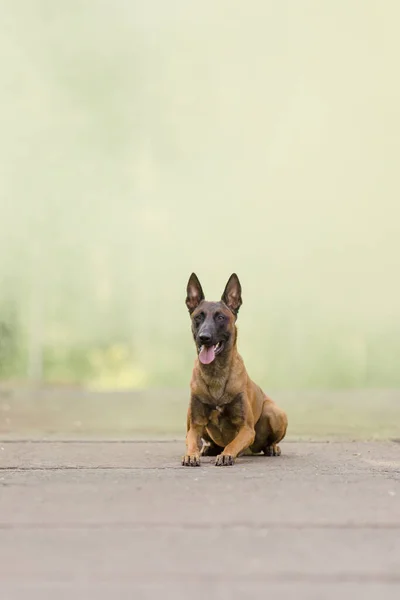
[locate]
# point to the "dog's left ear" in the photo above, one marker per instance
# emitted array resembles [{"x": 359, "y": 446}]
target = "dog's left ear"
[{"x": 232, "y": 295}]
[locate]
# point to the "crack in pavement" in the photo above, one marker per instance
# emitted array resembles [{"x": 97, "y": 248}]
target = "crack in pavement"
[{"x": 198, "y": 526}]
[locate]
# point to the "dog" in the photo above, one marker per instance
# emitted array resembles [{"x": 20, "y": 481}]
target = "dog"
[{"x": 228, "y": 413}]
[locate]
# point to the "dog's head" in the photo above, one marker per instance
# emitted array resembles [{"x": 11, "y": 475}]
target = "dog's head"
[{"x": 213, "y": 323}]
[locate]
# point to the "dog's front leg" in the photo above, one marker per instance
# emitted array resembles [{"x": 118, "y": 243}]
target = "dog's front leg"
[
  {"x": 196, "y": 421},
  {"x": 192, "y": 456},
  {"x": 243, "y": 440}
]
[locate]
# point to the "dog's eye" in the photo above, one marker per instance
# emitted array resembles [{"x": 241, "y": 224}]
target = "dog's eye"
[{"x": 221, "y": 317}]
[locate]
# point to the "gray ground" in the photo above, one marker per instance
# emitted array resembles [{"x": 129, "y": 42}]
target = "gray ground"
[{"x": 102, "y": 520}]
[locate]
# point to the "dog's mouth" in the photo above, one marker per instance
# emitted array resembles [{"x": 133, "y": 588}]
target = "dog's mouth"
[{"x": 208, "y": 353}]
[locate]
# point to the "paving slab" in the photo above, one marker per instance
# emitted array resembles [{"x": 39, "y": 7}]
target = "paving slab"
[{"x": 124, "y": 519}]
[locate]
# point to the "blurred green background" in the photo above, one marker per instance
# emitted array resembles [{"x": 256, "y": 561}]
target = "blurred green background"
[{"x": 141, "y": 141}]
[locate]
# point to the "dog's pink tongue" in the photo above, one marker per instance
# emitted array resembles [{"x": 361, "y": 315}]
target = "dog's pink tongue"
[{"x": 207, "y": 355}]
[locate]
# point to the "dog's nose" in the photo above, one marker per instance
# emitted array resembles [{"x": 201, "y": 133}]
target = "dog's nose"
[{"x": 205, "y": 338}]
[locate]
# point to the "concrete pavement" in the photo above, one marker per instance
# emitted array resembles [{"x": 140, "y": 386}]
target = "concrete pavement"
[{"x": 94, "y": 520}]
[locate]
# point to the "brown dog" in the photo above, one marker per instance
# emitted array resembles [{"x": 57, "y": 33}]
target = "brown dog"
[{"x": 228, "y": 412}]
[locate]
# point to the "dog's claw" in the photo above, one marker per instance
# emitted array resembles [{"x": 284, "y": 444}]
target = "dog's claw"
[
  {"x": 224, "y": 460},
  {"x": 191, "y": 460},
  {"x": 273, "y": 450}
]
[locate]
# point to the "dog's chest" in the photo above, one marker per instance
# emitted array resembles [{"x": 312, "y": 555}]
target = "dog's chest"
[
  {"x": 228, "y": 412},
  {"x": 217, "y": 394}
]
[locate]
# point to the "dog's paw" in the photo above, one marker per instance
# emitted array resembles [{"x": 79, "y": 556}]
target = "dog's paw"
[
  {"x": 191, "y": 460},
  {"x": 224, "y": 460},
  {"x": 273, "y": 450}
]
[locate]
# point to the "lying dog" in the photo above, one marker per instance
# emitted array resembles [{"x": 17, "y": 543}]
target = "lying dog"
[{"x": 228, "y": 412}]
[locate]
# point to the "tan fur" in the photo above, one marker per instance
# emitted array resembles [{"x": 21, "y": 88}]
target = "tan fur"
[{"x": 229, "y": 410}]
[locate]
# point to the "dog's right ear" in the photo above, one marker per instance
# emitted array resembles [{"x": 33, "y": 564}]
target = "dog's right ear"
[{"x": 194, "y": 293}]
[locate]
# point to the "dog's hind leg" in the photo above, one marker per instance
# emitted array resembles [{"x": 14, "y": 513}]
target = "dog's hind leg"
[{"x": 270, "y": 429}]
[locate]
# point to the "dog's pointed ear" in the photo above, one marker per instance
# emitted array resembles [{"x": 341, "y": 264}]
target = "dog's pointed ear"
[
  {"x": 194, "y": 293},
  {"x": 232, "y": 295}
]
